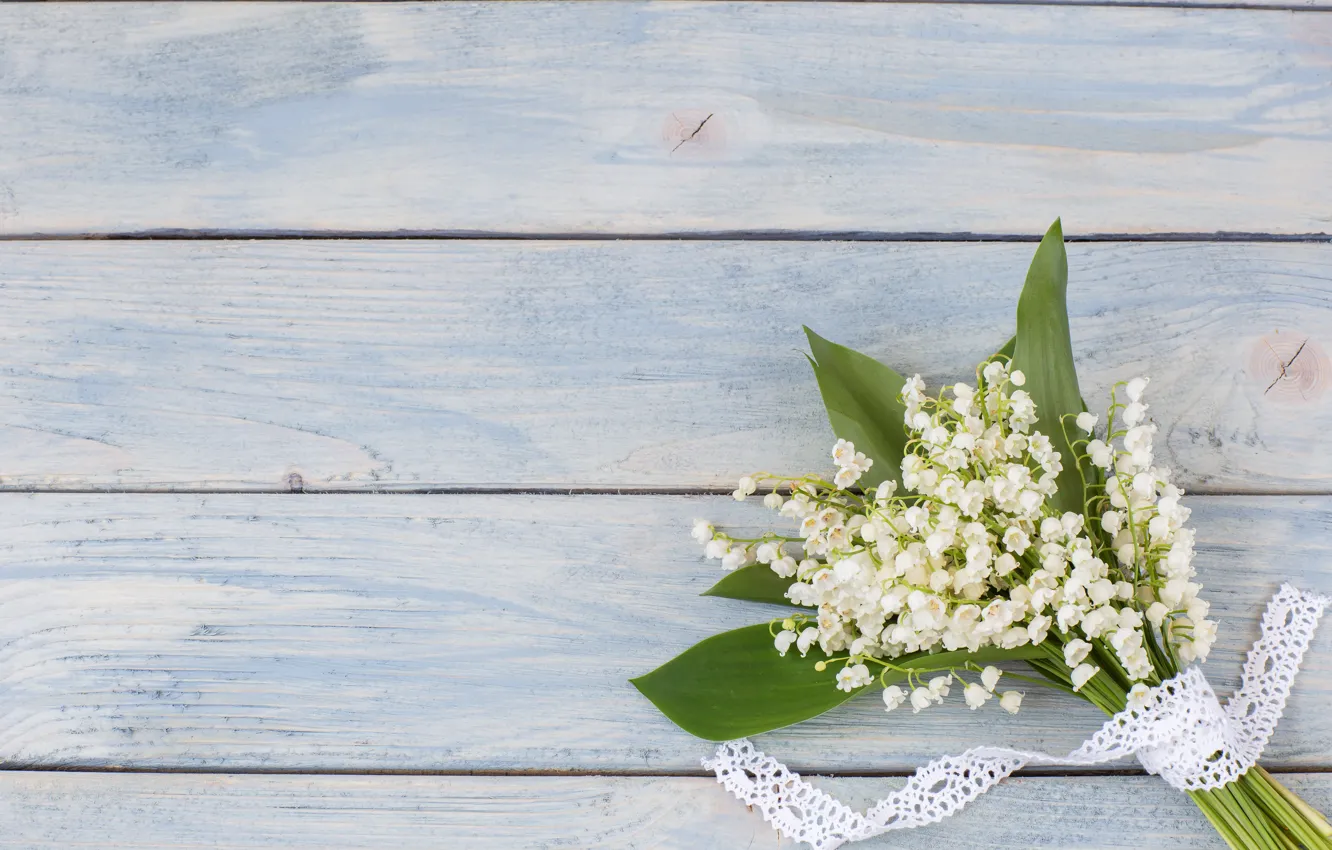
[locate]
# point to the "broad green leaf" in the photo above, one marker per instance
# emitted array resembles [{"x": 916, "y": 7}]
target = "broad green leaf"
[
  {"x": 734, "y": 684},
  {"x": 1044, "y": 353},
  {"x": 754, "y": 583},
  {"x": 1008, "y": 349},
  {"x": 861, "y": 395}
]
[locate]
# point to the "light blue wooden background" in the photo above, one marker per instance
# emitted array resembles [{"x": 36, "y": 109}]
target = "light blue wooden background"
[{"x": 328, "y": 518}]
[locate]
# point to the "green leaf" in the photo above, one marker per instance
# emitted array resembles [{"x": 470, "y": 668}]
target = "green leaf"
[
  {"x": 1007, "y": 350},
  {"x": 861, "y": 395},
  {"x": 734, "y": 684},
  {"x": 754, "y": 583},
  {"x": 1044, "y": 353}
]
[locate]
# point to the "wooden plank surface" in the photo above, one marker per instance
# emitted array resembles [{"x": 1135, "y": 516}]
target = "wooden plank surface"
[
  {"x": 428, "y": 364},
  {"x": 590, "y": 117},
  {"x": 494, "y": 633},
  {"x": 425, "y": 364},
  {"x": 62, "y": 810},
  {"x": 475, "y": 632}
]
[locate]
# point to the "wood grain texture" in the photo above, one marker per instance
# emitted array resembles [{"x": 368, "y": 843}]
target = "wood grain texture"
[
  {"x": 61, "y": 810},
  {"x": 476, "y": 632},
  {"x": 589, "y": 117},
  {"x": 426, "y": 364}
]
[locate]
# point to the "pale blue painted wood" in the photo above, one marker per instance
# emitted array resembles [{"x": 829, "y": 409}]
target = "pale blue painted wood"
[
  {"x": 457, "y": 633},
  {"x": 44, "y": 811},
  {"x": 373, "y": 365},
  {"x": 495, "y": 633},
  {"x": 589, "y": 117}
]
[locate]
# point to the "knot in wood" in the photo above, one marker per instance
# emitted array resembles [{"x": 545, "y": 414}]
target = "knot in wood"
[
  {"x": 694, "y": 133},
  {"x": 1289, "y": 367}
]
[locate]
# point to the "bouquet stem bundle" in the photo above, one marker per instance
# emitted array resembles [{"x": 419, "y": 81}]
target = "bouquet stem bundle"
[{"x": 1255, "y": 811}]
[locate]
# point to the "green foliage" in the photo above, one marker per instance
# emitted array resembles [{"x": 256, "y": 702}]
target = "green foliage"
[
  {"x": 861, "y": 395},
  {"x": 734, "y": 684},
  {"x": 754, "y": 583},
  {"x": 1044, "y": 353}
]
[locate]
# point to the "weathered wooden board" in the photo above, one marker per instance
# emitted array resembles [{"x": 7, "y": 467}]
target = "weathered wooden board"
[
  {"x": 360, "y": 365},
  {"x": 62, "y": 810},
  {"x": 474, "y": 632},
  {"x": 661, "y": 117}
]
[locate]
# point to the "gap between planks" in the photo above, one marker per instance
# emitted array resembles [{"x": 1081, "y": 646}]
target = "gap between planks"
[
  {"x": 1096, "y": 4},
  {"x": 1030, "y": 773},
  {"x": 682, "y": 236},
  {"x": 506, "y": 490}
]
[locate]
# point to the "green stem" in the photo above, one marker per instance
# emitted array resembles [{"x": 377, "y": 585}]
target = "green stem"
[
  {"x": 1287, "y": 842},
  {"x": 1257, "y": 819},
  {"x": 1300, "y": 833},
  {"x": 1226, "y": 807},
  {"x": 1290, "y": 812},
  {"x": 1208, "y": 808},
  {"x": 1311, "y": 815}
]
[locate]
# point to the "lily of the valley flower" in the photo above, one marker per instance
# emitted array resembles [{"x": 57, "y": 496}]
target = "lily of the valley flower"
[
  {"x": 1082, "y": 674},
  {"x": 855, "y": 676},
  {"x": 975, "y": 695},
  {"x": 970, "y": 554},
  {"x": 990, "y": 677},
  {"x": 893, "y": 696}
]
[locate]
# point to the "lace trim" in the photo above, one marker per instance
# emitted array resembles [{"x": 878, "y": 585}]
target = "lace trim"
[{"x": 1181, "y": 733}]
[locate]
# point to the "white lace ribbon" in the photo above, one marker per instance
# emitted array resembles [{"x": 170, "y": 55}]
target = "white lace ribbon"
[{"x": 1181, "y": 733}]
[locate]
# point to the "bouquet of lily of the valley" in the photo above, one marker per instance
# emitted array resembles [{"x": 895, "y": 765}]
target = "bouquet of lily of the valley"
[{"x": 992, "y": 521}]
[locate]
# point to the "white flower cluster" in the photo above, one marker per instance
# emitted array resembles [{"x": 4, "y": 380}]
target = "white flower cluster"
[
  {"x": 1144, "y": 522},
  {"x": 975, "y": 694},
  {"x": 851, "y": 464},
  {"x": 972, "y": 554}
]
